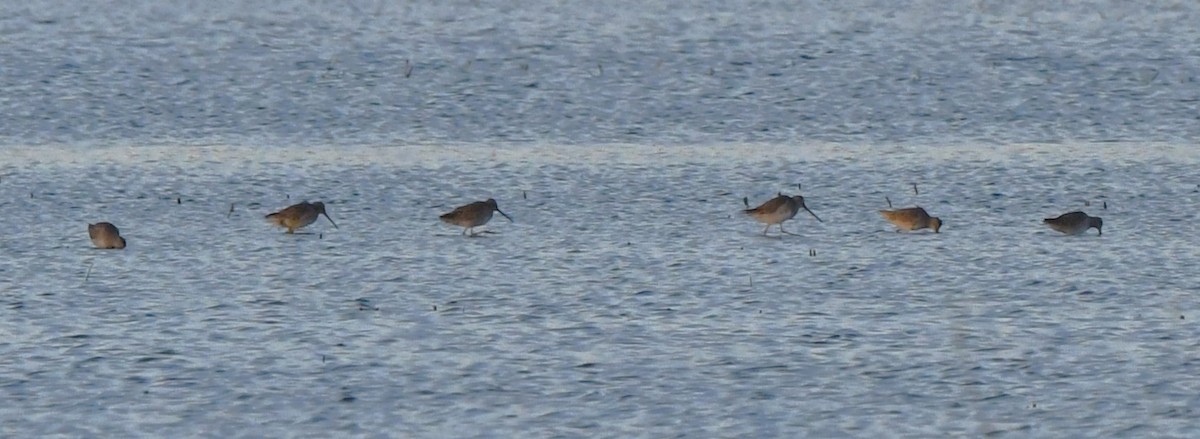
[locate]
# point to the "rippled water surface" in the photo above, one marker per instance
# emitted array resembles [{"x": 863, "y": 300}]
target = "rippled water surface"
[
  {"x": 574, "y": 72},
  {"x": 630, "y": 296}
]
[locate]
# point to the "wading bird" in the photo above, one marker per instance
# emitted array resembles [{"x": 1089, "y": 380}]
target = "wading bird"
[
  {"x": 106, "y": 235},
  {"x": 299, "y": 215},
  {"x": 473, "y": 215},
  {"x": 1074, "y": 223},
  {"x": 912, "y": 218},
  {"x": 779, "y": 209}
]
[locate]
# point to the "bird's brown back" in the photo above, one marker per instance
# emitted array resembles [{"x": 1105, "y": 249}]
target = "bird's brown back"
[
  {"x": 468, "y": 214},
  {"x": 294, "y": 211},
  {"x": 908, "y": 214},
  {"x": 105, "y": 235},
  {"x": 911, "y": 218},
  {"x": 102, "y": 229},
  {"x": 771, "y": 205},
  {"x": 1069, "y": 218}
]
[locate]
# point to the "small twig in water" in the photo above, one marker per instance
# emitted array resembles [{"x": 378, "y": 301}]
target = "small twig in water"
[
  {"x": 915, "y": 191},
  {"x": 408, "y": 68},
  {"x": 227, "y": 215},
  {"x": 524, "y": 195},
  {"x": 746, "y": 201},
  {"x": 88, "y": 275},
  {"x": 1105, "y": 205},
  {"x": 178, "y": 200},
  {"x": 889, "y": 200}
]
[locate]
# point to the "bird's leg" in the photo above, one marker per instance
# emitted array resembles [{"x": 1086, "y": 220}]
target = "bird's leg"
[
  {"x": 766, "y": 229},
  {"x": 785, "y": 232}
]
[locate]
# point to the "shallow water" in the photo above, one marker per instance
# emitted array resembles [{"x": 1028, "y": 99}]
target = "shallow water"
[
  {"x": 630, "y": 297},
  {"x": 375, "y": 72}
]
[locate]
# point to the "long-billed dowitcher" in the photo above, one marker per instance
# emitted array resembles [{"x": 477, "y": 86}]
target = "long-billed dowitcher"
[
  {"x": 299, "y": 215},
  {"x": 106, "y": 235},
  {"x": 779, "y": 209},
  {"x": 473, "y": 215},
  {"x": 1074, "y": 223},
  {"x": 912, "y": 218}
]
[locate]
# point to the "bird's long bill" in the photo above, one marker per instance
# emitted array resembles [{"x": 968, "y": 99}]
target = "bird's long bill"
[
  {"x": 506, "y": 216},
  {"x": 330, "y": 220},
  {"x": 813, "y": 214}
]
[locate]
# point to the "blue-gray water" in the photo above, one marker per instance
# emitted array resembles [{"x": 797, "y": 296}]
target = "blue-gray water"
[
  {"x": 299, "y": 73},
  {"x": 630, "y": 297}
]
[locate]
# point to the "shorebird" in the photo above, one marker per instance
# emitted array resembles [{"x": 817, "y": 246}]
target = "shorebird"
[
  {"x": 299, "y": 215},
  {"x": 106, "y": 235},
  {"x": 779, "y": 209},
  {"x": 912, "y": 218},
  {"x": 1074, "y": 223},
  {"x": 473, "y": 215}
]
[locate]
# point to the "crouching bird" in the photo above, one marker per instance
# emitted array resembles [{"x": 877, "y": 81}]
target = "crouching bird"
[
  {"x": 1074, "y": 223},
  {"x": 106, "y": 236},
  {"x": 912, "y": 218}
]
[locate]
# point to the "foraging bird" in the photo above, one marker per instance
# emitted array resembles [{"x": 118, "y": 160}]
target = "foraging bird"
[
  {"x": 299, "y": 215},
  {"x": 912, "y": 218},
  {"x": 106, "y": 235},
  {"x": 473, "y": 215},
  {"x": 779, "y": 209},
  {"x": 1074, "y": 223}
]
